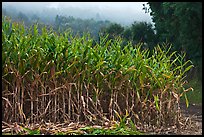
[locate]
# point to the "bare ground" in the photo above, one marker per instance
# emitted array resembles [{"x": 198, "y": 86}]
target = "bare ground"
[{"x": 194, "y": 114}]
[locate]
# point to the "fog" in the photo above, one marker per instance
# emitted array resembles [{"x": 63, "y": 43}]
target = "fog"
[{"x": 124, "y": 13}]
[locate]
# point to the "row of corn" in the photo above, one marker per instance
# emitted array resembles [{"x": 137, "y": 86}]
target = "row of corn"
[{"x": 55, "y": 77}]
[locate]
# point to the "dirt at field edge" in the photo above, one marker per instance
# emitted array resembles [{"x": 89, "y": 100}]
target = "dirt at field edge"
[{"x": 194, "y": 112}]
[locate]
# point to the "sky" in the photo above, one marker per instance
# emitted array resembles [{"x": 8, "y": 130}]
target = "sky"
[{"x": 120, "y": 12}]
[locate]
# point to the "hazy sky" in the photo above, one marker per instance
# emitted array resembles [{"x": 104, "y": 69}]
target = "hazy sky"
[{"x": 121, "y": 12}]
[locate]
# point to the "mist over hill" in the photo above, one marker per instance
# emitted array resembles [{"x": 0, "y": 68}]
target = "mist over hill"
[{"x": 124, "y": 13}]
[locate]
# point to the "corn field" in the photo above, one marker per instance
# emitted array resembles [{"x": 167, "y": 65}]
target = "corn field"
[{"x": 62, "y": 78}]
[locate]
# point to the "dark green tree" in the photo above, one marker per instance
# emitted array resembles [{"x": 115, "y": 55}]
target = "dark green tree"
[
  {"x": 80, "y": 26},
  {"x": 143, "y": 32},
  {"x": 179, "y": 23},
  {"x": 127, "y": 34},
  {"x": 114, "y": 30}
]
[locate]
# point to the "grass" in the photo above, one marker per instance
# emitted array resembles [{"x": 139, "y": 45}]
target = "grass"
[
  {"x": 195, "y": 96},
  {"x": 194, "y": 78}
]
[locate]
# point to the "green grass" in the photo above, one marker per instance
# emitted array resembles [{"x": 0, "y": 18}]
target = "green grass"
[
  {"x": 195, "y": 81},
  {"x": 195, "y": 96},
  {"x": 116, "y": 131}
]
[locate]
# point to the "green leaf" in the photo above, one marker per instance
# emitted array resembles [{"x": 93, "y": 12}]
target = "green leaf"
[
  {"x": 133, "y": 127},
  {"x": 187, "y": 103},
  {"x": 32, "y": 132},
  {"x": 156, "y": 99}
]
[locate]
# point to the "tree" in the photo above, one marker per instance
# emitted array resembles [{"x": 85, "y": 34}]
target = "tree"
[
  {"x": 180, "y": 23},
  {"x": 143, "y": 32},
  {"x": 79, "y": 26},
  {"x": 127, "y": 34},
  {"x": 114, "y": 29}
]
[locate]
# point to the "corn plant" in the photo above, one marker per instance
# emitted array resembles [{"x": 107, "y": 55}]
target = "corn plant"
[{"x": 62, "y": 77}]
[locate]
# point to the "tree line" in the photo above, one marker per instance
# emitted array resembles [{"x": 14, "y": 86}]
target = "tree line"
[{"x": 181, "y": 24}]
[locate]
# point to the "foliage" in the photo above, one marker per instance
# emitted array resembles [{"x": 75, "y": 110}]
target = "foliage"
[
  {"x": 194, "y": 97},
  {"x": 143, "y": 32},
  {"x": 79, "y": 26},
  {"x": 138, "y": 32},
  {"x": 113, "y": 131},
  {"x": 61, "y": 77},
  {"x": 31, "y": 132},
  {"x": 114, "y": 30},
  {"x": 181, "y": 24}
]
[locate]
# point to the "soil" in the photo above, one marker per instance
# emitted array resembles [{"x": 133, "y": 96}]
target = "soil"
[
  {"x": 191, "y": 122},
  {"x": 194, "y": 113}
]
